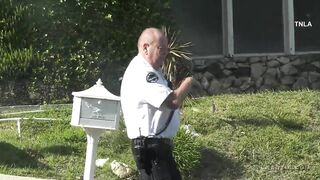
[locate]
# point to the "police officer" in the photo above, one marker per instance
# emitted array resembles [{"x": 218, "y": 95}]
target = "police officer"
[{"x": 150, "y": 108}]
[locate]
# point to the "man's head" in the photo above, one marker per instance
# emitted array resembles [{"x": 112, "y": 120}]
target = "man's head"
[{"x": 153, "y": 46}]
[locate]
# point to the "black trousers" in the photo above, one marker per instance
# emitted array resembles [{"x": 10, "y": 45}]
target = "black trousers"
[{"x": 154, "y": 159}]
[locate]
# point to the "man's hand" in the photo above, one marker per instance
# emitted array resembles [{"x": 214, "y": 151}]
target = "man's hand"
[{"x": 175, "y": 99}]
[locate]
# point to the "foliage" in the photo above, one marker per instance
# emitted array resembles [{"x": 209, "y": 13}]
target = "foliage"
[
  {"x": 67, "y": 45},
  {"x": 177, "y": 65},
  {"x": 16, "y": 52},
  {"x": 186, "y": 151}
]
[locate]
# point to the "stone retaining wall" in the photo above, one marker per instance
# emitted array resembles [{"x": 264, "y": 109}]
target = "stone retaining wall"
[{"x": 250, "y": 74}]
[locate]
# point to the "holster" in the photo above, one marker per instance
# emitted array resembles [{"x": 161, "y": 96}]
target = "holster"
[
  {"x": 139, "y": 149},
  {"x": 148, "y": 150}
]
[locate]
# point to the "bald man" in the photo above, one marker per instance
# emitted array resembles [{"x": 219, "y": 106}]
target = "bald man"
[{"x": 150, "y": 108}]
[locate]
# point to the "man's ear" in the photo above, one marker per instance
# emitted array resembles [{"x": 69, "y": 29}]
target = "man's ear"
[{"x": 145, "y": 47}]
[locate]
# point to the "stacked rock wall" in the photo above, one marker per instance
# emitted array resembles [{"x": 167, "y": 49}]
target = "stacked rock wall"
[{"x": 250, "y": 74}]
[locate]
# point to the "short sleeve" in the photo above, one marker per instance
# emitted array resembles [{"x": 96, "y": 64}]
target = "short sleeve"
[{"x": 155, "y": 89}]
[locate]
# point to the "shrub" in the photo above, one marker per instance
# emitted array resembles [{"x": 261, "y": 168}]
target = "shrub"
[
  {"x": 186, "y": 151},
  {"x": 16, "y": 52},
  {"x": 178, "y": 64},
  {"x": 76, "y": 41}
]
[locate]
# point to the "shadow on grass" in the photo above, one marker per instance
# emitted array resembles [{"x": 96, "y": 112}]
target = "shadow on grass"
[
  {"x": 215, "y": 165},
  {"x": 20, "y": 158},
  {"x": 60, "y": 149},
  {"x": 282, "y": 123}
]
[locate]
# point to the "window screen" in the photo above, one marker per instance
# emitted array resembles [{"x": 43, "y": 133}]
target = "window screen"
[
  {"x": 307, "y": 25},
  {"x": 200, "y": 23},
  {"x": 258, "y": 26}
]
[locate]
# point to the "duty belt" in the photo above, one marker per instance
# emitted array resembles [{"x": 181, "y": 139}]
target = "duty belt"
[{"x": 146, "y": 140}]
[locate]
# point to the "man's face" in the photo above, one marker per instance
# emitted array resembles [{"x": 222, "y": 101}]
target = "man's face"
[{"x": 158, "y": 51}]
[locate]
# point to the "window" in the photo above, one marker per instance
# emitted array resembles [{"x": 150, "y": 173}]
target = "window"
[
  {"x": 307, "y": 25},
  {"x": 200, "y": 23},
  {"x": 257, "y": 26},
  {"x": 244, "y": 27}
]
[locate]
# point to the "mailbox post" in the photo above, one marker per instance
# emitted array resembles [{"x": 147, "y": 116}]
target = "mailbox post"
[{"x": 96, "y": 110}]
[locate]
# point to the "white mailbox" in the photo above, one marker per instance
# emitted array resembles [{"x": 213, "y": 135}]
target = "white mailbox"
[{"x": 96, "y": 107}]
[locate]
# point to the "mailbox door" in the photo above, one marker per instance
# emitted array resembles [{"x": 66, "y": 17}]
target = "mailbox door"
[{"x": 99, "y": 113}]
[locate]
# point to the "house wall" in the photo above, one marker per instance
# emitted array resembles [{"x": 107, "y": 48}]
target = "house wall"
[{"x": 250, "y": 74}]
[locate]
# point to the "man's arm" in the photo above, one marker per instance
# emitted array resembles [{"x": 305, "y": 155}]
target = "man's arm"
[{"x": 175, "y": 99}]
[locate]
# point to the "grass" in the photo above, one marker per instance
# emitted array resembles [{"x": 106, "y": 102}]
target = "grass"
[{"x": 267, "y": 135}]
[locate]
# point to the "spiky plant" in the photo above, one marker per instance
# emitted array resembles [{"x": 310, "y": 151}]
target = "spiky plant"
[{"x": 178, "y": 64}]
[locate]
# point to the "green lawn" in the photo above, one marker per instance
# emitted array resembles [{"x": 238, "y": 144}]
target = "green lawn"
[
  {"x": 268, "y": 135},
  {"x": 271, "y": 135}
]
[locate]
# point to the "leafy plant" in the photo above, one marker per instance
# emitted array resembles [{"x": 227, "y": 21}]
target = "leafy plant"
[
  {"x": 186, "y": 151},
  {"x": 16, "y": 53},
  {"x": 177, "y": 65},
  {"x": 62, "y": 46}
]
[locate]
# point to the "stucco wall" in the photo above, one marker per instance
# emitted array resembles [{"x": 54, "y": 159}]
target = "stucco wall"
[{"x": 250, "y": 74}]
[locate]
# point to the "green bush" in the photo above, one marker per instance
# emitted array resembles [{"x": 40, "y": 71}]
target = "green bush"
[
  {"x": 16, "y": 52},
  {"x": 186, "y": 151},
  {"x": 68, "y": 45}
]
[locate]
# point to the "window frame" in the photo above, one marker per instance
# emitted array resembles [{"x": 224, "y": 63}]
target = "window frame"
[{"x": 228, "y": 34}]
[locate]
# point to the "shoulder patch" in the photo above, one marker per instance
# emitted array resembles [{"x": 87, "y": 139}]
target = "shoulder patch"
[{"x": 152, "y": 77}]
